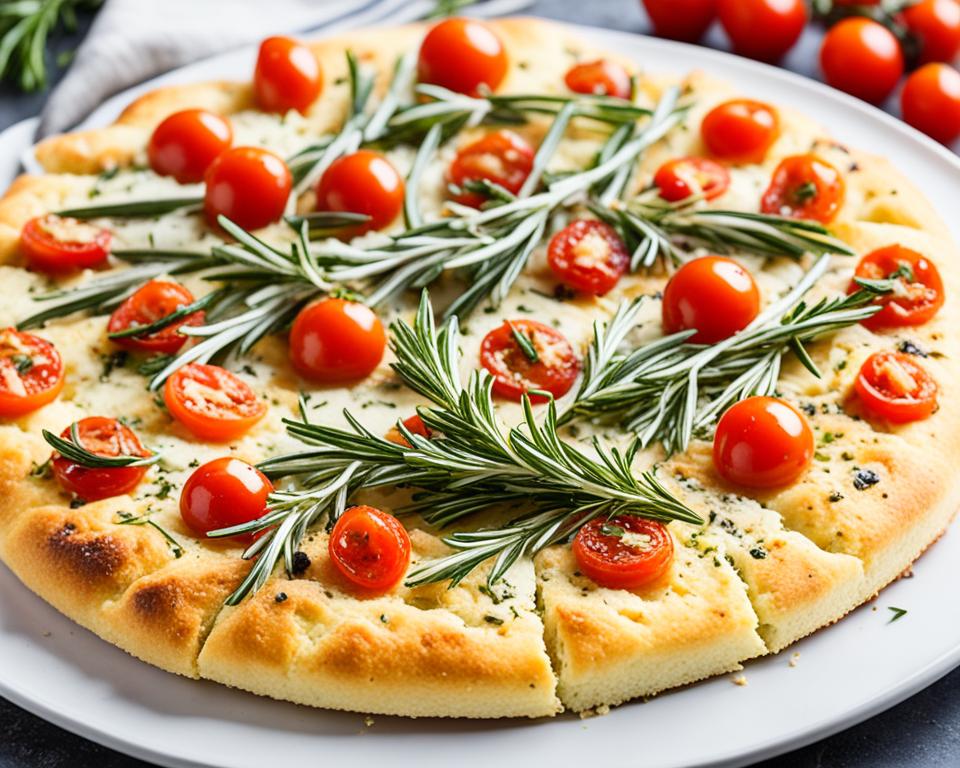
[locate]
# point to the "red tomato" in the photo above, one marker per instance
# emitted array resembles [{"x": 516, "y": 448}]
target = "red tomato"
[
  {"x": 370, "y": 548},
  {"x": 223, "y": 493},
  {"x": 364, "y": 182},
  {"x": 249, "y": 186},
  {"x": 740, "y": 131},
  {"x": 804, "y": 187},
  {"x": 185, "y": 143},
  {"x": 682, "y": 177},
  {"x": 413, "y": 424},
  {"x": 588, "y": 256},
  {"x": 104, "y": 437},
  {"x": 893, "y": 386},
  {"x": 930, "y": 102},
  {"x": 920, "y": 295},
  {"x": 463, "y": 55},
  {"x": 762, "y": 442},
  {"x": 624, "y": 552},
  {"x": 714, "y": 295},
  {"x": 335, "y": 341},
  {"x": 153, "y": 301},
  {"x": 502, "y": 157},
  {"x": 55, "y": 244},
  {"x": 287, "y": 76},
  {"x": 863, "y": 58},
  {"x": 936, "y": 23},
  {"x": 601, "y": 77},
  {"x": 31, "y": 373},
  {"x": 211, "y": 402},
  {"x": 762, "y": 29},
  {"x": 681, "y": 19},
  {"x": 514, "y": 373}
]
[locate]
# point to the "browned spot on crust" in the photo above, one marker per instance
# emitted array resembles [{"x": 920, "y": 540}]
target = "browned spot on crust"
[{"x": 94, "y": 558}]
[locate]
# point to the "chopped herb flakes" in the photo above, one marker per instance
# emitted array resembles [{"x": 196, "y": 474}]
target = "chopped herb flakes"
[{"x": 898, "y": 613}]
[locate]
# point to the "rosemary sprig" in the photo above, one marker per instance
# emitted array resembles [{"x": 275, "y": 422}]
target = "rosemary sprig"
[
  {"x": 126, "y": 518},
  {"x": 134, "y": 209},
  {"x": 164, "y": 322},
  {"x": 74, "y": 451}
]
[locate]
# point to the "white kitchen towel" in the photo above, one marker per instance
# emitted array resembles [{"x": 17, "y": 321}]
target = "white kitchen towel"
[{"x": 133, "y": 40}]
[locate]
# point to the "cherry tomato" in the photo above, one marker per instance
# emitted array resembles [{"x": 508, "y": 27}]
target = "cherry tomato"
[
  {"x": 151, "y": 302},
  {"x": 714, "y": 295},
  {"x": 502, "y": 157},
  {"x": 762, "y": 29},
  {"x": 804, "y": 187},
  {"x": 681, "y": 19},
  {"x": 930, "y": 101},
  {"x": 287, "y": 76},
  {"x": 588, "y": 256},
  {"x": 249, "y": 186},
  {"x": 601, "y": 77},
  {"x": 413, "y": 424},
  {"x": 463, "y": 55},
  {"x": 682, "y": 177},
  {"x": 624, "y": 552},
  {"x": 893, "y": 386},
  {"x": 335, "y": 341},
  {"x": 370, "y": 548},
  {"x": 223, "y": 493},
  {"x": 103, "y": 437},
  {"x": 740, "y": 131},
  {"x": 936, "y": 23},
  {"x": 919, "y": 296},
  {"x": 514, "y": 373},
  {"x": 185, "y": 143},
  {"x": 211, "y": 402},
  {"x": 56, "y": 244},
  {"x": 31, "y": 373},
  {"x": 863, "y": 58},
  {"x": 762, "y": 442},
  {"x": 364, "y": 182}
]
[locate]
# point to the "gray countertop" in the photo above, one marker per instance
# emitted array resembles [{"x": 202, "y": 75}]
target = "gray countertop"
[{"x": 922, "y": 732}]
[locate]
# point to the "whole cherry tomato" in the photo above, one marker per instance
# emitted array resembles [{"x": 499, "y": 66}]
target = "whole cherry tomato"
[
  {"x": 363, "y": 182},
  {"x": 930, "y": 101},
  {"x": 211, "y": 402},
  {"x": 334, "y": 341},
  {"x": 601, "y": 77},
  {"x": 623, "y": 552},
  {"x": 108, "y": 438},
  {"x": 287, "y": 76},
  {"x": 682, "y": 177},
  {"x": 58, "y": 244},
  {"x": 762, "y": 29},
  {"x": 740, "y": 131},
  {"x": 936, "y": 23},
  {"x": 31, "y": 373},
  {"x": 919, "y": 296},
  {"x": 463, "y": 55},
  {"x": 863, "y": 58},
  {"x": 249, "y": 186},
  {"x": 681, "y": 19},
  {"x": 223, "y": 493},
  {"x": 762, "y": 442},
  {"x": 501, "y": 157},
  {"x": 153, "y": 301},
  {"x": 588, "y": 256},
  {"x": 186, "y": 142},
  {"x": 804, "y": 187},
  {"x": 370, "y": 548},
  {"x": 893, "y": 386},
  {"x": 553, "y": 366}
]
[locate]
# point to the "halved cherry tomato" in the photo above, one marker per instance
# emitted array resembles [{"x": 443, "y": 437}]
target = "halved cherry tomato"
[
  {"x": 762, "y": 442},
  {"x": 936, "y": 23},
  {"x": 713, "y": 294},
  {"x": 930, "y": 101},
  {"x": 681, "y": 19},
  {"x": 249, "y": 186},
  {"x": 919, "y": 296},
  {"x": 211, "y": 402},
  {"x": 335, "y": 341},
  {"x": 740, "y": 131},
  {"x": 893, "y": 386},
  {"x": 185, "y": 143},
  {"x": 762, "y": 29},
  {"x": 56, "y": 244},
  {"x": 623, "y": 552},
  {"x": 364, "y": 182},
  {"x": 463, "y": 55},
  {"x": 104, "y": 437},
  {"x": 863, "y": 58},
  {"x": 502, "y": 157},
  {"x": 287, "y": 76},
  {"x": 588, "y": 256},
  {"x": 223, "y": 493},
  {"x": 804, "y": 187},
  {"x": 31, "y": 373},
  {"x": 514, "y": 373},
  {"x": 370, "y": 548},
  {"x": 601, "y": 77},
  {"x": 151, "y": 302},
  {"x": 682, "y": 177},
  {"x": 413, "y": 424}
]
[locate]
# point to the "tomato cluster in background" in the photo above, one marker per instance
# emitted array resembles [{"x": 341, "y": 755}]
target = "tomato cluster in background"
[{"x": 868, "y": 47}]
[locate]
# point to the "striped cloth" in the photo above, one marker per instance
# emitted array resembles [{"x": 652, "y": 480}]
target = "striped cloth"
[{"x": 133, "y": 40}]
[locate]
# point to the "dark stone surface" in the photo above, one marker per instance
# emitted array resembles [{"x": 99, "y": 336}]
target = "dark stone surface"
[{"x": 922, "y": 732}]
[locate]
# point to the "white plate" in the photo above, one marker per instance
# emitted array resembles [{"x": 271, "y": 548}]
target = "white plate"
[{"x": 843, "y": 675}]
